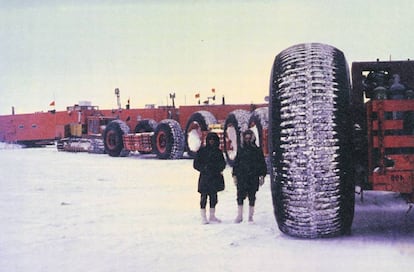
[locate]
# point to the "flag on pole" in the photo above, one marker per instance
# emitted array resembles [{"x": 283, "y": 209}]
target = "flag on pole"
[
  {"x": 52, "y": 103},
  {"x": 213, "y": 90},
  {"x": 197, "y": 95}
]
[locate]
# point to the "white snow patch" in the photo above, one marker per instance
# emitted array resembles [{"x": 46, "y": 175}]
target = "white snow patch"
[{"x": 4, "y": 145}]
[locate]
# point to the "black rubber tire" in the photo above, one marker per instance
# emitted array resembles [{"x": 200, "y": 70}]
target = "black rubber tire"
[
  {"x": 258, "y": 121},
  {"x": 168, "y": 140},
  {"x": 113, "y": 142},
  {"x": 197, "y": 124},
  {"x": 145, "y": 125},
  {"x": 235, "y": 124},
  {"x": 310, "y": 142}
]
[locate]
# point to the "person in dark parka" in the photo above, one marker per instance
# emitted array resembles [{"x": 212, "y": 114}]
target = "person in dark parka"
[
  {"x": 210, "y": 162},
  {"x": 249, "y": 170}
]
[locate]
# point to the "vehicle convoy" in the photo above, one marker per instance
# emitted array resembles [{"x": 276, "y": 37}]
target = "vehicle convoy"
[
  {"x": 322, "y": 135},
  {"x": 326, "y": 135},
  {"x": 169, "y": 139},
  {"x": 165, "y": 131}
]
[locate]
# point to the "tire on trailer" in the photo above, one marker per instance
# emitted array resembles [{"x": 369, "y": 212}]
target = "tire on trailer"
[
  {"x": 168, "y": 140},
  {"x": 310, "y": 142},
  {"x": 196, "y": 125},
  {"x": 145, "y": 125},
  {"x": 113, "y": 142},
  {"x": 259, "y": 121},
  {"x": 235, "y": 124}
]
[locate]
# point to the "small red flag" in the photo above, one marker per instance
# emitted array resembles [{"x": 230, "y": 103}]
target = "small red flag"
[
  {"x": 197, "y": 95},
  {"x": 52, "y": 103},
  {"x": 213, "y": 90}
]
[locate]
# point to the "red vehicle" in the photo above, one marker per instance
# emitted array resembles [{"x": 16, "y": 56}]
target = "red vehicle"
[
  {"x": 167, "y": 131},
  {"x": 389, "y": 123},
  {"x": 169, "y": 138}
]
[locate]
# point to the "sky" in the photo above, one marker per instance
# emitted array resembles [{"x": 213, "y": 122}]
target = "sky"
[{"x": 71, "y": 51}]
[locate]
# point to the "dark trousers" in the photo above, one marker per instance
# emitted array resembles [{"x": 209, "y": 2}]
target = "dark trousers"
[
  {"x": 213, "y": 200},
  {"x": 249, "y": 193}
]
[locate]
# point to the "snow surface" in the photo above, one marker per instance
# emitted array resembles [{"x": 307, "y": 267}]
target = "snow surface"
[{"x": 86, "y": 212}]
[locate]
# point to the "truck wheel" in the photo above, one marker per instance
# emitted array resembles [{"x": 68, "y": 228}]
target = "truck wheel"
[
  {"x": 146, "y": 125},
  {"x": 168, "y": 140},
  {"x": 258, "y": 122},
  {"x": 196, "y": 125},
  {"x": 236, "y": 123},
  {"x": 310, "y": 142},
  {"x": 113, "y": 142}
]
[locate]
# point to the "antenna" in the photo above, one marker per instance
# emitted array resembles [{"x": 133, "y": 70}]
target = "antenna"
[
  {"x": 172, "y": 97},
  {"x": 118, "y": 100}
]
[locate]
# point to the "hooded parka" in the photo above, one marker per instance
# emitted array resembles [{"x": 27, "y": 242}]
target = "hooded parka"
[
  {"x": 210, "y": 162},
  {"x": 249, "y": 165}
]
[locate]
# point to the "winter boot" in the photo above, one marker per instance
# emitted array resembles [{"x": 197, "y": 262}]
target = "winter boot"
[
  {"x": 203, "y": 216},
  {"x": 239, "y": 217},
  {"x": 213, "y": 218},
  {"x": 251, "y": 212}
]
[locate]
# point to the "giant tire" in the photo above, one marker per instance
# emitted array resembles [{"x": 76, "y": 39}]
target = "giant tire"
[
  {"x": 113, "y": 142},
  {"x": 310, "y": 142},
  {"x": 168, "y": 140},
  {"x": 196, "y": 125},
  {"x": 235, "y": 124}
]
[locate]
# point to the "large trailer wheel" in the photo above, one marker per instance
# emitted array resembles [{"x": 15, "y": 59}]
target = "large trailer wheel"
[
  {"x": 113, "y": 142},
  {"x": 196, "y": 125},
  {"x": 236, "y": 123},
  {"x": 310, "y": 142},
  {"x": 168, "y": 140}
]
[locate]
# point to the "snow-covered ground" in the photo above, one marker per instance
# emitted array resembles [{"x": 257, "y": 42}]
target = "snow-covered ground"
[{"x": 86, "y": 212}]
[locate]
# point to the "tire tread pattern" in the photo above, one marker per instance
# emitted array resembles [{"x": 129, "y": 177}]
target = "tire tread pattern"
[
  {"x": 311, "y": 176},
  {"x": 176, "y": 143}
]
